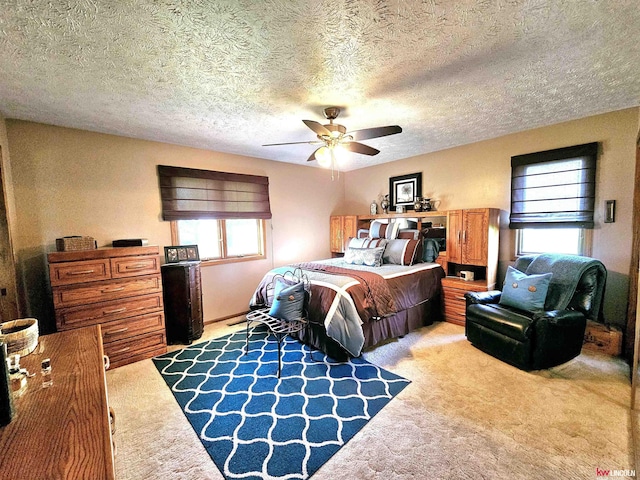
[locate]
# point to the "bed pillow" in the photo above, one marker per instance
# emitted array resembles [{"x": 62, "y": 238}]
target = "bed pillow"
[
  {"x": 392, "y": 230},
  {"x": 377, "y": 229},
  {"x": 366, "y": 242},
  {"x": 524, "y": 292},
  {"x": 401, "y": 251},
  {"x": 371, "y": 257},
  {"x": 288, "y": 301}
]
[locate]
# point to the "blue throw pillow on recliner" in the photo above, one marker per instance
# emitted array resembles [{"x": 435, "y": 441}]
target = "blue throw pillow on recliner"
[
  {"x": 525, "y": 292},
  {"x": 288, "y": 301}
]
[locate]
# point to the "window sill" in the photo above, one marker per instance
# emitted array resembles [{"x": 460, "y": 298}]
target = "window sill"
[{"x": 220, "y": 261}]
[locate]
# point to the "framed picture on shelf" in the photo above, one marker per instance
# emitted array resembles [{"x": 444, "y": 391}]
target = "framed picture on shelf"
[
  {"x": 404, "y": 189},
  {"x": 192, "y": 252},
  {"x": 181, "y": 253},
  {"x": 171, "y": 254}
]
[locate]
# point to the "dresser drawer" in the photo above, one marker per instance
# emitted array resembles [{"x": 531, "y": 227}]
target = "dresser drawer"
[
  {"x": 454, "y": 296},
  {"x": 136, "y": 348},
  {"x": 83, "y": 316},
  {"x": 79, "y": 272},
  {"x": 129, "y": 327},
  {"x": 132, "y": 266},
  {"x": 71, "y": 295},
  {"x": 455, "y": 314}
]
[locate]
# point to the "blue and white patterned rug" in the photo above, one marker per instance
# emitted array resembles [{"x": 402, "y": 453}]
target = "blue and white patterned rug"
[{"x": 255, "y": 425}]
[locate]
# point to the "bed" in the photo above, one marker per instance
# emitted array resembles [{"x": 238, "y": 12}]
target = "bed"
[{"x": 353, "y": 307}]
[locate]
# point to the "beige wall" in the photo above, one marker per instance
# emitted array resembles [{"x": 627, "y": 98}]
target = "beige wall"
[
  {"x": 479, "y": 175},
  {"x": 74, "y": 182}
]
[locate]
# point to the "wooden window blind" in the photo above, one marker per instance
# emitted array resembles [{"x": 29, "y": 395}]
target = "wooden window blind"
[
  {"x": 191, "y": 194},
  {"x": 554, "y": 188}
]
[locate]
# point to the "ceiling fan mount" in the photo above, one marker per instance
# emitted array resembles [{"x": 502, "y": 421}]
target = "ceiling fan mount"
[
  {"x": 331, "y": 113},
  {"x": 332, "y": 138}
]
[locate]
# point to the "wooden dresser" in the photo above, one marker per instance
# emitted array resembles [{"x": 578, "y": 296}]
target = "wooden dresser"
[
  {"x": 61, "y": 432},
  {"x": 118, "y": 288}
]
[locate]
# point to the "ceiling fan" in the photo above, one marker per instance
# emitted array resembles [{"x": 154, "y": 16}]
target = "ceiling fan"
[{"x": 334, "y": 140}]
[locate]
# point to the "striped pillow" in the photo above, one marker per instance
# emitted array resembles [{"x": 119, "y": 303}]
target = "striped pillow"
[
  {"x": 377, "y": 229},
  {"x": 384, "y": 230},
  {"x": 402, "y": 251},
  {"x": 392, "y": 230},
  {"x": 366, "y": 242}
]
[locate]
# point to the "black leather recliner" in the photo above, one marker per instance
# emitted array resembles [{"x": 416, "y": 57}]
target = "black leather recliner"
[{"x": 532, "y": 341}]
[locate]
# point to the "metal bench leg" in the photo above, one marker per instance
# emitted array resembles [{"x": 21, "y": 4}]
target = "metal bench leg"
[
  {"x": 246, "y": 342},
  {"x": 279, "y": 355}
]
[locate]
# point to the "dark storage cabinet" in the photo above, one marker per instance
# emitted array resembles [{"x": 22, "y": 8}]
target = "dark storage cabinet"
[{"x": 182, "y": 301}]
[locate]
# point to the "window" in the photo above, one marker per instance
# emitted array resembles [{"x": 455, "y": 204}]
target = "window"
[
  {"x": 241, "y": 239},
  {"x": 552, "y": 200},
  {"x": 571, "y": 241},
  {"x": 223, "y": 213}
]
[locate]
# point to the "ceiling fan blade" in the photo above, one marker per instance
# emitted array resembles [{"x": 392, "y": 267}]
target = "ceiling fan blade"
[
  {"x": 312, "y": 157},
  {"x": 316, "y": 127},
  {"x": 375, "y": 132},
  {"x": 311, "y": 142},
  {"x": 360, "y": 148}
]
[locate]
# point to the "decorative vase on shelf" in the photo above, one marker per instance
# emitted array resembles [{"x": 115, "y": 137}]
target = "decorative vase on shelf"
[
  {"x": 426, "y": 204},
  {"x": 373, "y": 208},
  {"x": 384, "y": 204},
  {"x": 417, "y": 204}
]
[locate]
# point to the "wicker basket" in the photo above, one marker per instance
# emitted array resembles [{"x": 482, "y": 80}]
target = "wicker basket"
[
  {"x": 68, "y": 244},
  {"x": 21, "y": 335}
]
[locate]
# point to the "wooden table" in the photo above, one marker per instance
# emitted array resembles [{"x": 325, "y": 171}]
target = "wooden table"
[{"x": 61, "y": 432}]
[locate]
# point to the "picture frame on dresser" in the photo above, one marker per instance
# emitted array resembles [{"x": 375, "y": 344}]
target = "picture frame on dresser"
[
  {"x": 404, "y": 189},
  {"x": 181, "y": 253}
]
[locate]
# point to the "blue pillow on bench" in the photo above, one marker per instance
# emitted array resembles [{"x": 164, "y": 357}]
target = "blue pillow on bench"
[{"x": 288, "y": 301}]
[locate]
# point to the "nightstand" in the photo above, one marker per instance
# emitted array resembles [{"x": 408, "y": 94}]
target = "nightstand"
[{"x": 454, "y": 289}]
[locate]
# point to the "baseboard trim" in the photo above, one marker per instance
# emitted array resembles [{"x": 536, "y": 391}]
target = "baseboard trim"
[{"x": 222, "y": 319}]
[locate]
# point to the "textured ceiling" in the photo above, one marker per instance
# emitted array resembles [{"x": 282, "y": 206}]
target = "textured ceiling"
[{"x": 232, "y": 75}]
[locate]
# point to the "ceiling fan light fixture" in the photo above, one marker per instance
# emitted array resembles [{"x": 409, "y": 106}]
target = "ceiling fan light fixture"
[
  {"x": 335, "y": 129},
  {"x": 340, "y": 153},
  {"x": 323, "y": 155}
]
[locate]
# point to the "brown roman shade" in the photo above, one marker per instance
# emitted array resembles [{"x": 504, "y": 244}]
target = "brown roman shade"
[
  {"x": 191, "y": 194},
  {"x": 554, "y": 188}
]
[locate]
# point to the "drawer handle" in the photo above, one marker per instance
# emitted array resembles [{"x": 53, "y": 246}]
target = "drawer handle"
[
  {"x": 137, "y": 266},
  {"x": 81, "y": 272},
  {"x": 107, "y": 290},
  {"x": 117, "y": 310},
  {"x": 122, "y": 350},
  {"x": 114, "y": 332}
]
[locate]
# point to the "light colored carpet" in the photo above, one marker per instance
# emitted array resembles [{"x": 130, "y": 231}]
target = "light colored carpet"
[{"x": 465, "y": 415}]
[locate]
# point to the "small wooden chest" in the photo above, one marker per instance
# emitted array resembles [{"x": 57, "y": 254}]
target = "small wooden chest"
[{"x": 603, "y": 338}]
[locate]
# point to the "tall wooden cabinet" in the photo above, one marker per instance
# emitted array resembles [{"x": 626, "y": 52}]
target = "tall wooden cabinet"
[
  {"x": 342, "y": 227},
  {"x": 182, "y": 301},
  {"x": 472, "y": 244},
  {"x": 118, "y": 288},
  {"x": 472, "y": 240}
]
